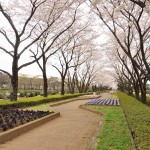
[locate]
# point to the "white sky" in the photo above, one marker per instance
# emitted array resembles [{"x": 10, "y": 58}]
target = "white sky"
[{"x": 32, "y": 70}]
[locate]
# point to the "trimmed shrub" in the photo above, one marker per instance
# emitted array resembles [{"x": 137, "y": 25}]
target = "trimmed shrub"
[
  {"x": 138, "y": 118},
  {"x": 26, "y": 102}
]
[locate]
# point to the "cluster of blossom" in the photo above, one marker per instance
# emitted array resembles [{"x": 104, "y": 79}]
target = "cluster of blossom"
[{"x": 126, "y": 4}]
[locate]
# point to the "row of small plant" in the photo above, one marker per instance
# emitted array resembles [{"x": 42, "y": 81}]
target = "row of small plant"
[
  {"x": 12, "y": 118},
  {"x": 32, "y": 101},
  {"x": 138, "y": 118},
  {"x": 107, "y": 102}
]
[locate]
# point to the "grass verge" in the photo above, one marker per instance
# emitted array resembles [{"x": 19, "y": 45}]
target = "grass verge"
[
  {"x": 114, "y": 134},
  {"x": 138, "y": 118},
  {"x": 42, "y": 107}
]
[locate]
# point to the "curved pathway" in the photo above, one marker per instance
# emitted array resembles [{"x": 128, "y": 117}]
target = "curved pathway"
[{"x": 72, "y": 131}]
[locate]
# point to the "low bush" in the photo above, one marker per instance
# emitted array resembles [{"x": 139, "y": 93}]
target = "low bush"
[
  {"x": 138, "y": 118},
  {"x": 31, "y": 101}
]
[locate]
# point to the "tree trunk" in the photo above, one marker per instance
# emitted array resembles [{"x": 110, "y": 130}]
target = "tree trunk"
[
  {"x": 136, "y": 89},
  {"x": 14, "y": 81},
  {"x": 143, "y": 96},
  {"x": 143, "y": 92},
  {"x": 45, "y": 85},
  {"x": 137, "y": 96},
  {"x": 71, "y": 85},
  {"x": 62, "y": 86}
]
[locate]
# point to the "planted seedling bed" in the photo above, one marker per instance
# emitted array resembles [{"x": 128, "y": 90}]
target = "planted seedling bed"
[
  {"x": 106, "y": 102},
  {"x": 13, "y": 117}
]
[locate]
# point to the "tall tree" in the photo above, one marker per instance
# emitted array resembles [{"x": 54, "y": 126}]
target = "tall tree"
[
  {"x": 49, "y": 43},
  {"x": 23, "y": 22},
  {"x": 86, "y": 73},
  {"x": 126, "y": 21},
  {"x": 71, "y": 53}
]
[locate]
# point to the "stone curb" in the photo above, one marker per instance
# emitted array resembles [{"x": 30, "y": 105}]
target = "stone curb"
[
  {"x": 57, "y": 104},
  {"x": 12, "y": 133},
  {"x": 88, "y": 109}
]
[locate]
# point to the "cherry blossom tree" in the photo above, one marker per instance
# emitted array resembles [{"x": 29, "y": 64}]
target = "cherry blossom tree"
[
  {"x": 86, "y": 74},
  {"x": 25, "y": 24},
  {"x": 128, "y": 21},
  {"x": 70, "y": 55},
  {"x": 19, "y": 32},
  {"x": 49, "y": 43}
]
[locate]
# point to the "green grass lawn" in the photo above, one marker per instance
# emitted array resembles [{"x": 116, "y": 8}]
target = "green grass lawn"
[
  {"x": 43, "y": 107},
  {"x": 114, "y": 134}
]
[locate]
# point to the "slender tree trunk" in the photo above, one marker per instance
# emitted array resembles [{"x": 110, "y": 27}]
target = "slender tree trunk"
[
  {"x": 14, "y": 80},
  {"x": 130, "y": 90},
  {"x": 45, "y": 85},
  {"x": 71, "y": 85},
  {"x": 137, "y": 91},
  {"x": 62, "y": 86},
  {"x": 143, "y": 92},
  {"x": 143, "y": 96},
  {"x": 137, "y": 96}
]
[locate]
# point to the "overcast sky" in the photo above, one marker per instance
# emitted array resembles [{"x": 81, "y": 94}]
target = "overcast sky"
[{"x": 33, "y": 70}]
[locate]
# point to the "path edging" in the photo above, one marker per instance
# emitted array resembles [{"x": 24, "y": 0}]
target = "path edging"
[
  {"x": 91, "y": 110},
  {"x": 93, "y": 142},
  {"x": 12, "y": 133},
  {"x": 57, "y": 104}
]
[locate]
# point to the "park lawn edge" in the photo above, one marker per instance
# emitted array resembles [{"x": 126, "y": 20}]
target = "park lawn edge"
[
  {"x": 107, "y": 139},
  {"x": 138, "y": 119}
]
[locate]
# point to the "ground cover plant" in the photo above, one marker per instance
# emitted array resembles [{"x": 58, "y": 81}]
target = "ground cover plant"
[
  {"x": 26, "y": 102},
  {"x": 138, "y": 118},
  {"x": 114, "y": 133},
  {"x": 12, "y": 118},
  {"x": 107, "y": 102}
]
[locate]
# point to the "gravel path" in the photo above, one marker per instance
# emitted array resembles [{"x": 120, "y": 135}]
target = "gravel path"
[{"x": 72, "y": 131}]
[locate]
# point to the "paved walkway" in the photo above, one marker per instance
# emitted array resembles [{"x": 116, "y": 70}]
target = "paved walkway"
[{"x": 72, "y": 131}]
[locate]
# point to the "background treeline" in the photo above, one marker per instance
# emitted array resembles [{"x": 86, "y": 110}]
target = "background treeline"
[{"x": 33, "y": 86}]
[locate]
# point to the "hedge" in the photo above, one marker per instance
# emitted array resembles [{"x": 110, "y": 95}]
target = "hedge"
[
  {"x": 138, "y": 118},
  {"x": 26, "y": 102}
]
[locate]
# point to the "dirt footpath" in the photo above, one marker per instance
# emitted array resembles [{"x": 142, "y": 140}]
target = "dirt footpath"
[{"x": 72, "y": 131}]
